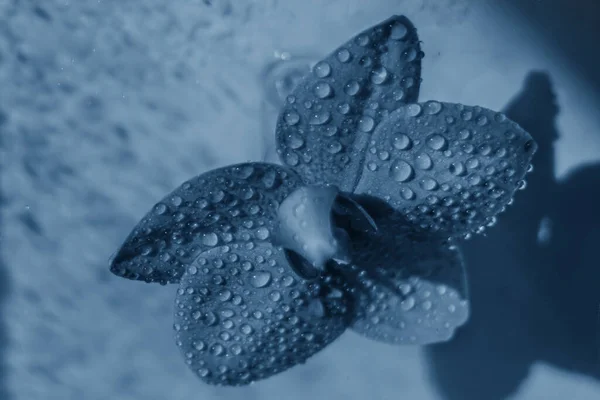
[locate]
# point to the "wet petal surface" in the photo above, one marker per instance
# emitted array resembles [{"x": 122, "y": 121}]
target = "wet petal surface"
[
  {"x": 447, "y": 167},
  {"x": 234, "y": 204},
  {"x": 410, "y": 287},
  {"x": 242, "y": 314},
  {"x": 326, "y": 122},
  {"x": 305, "y": 225}
]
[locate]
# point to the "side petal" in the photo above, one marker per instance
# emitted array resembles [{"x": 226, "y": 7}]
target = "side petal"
[
  {"x": 326, "y": 123},
  {"x": 410, "y": 287},
  {"x": 242, "y": 314},
  {"x": 233, "y": 204},
  {"x": 447, "y": 167}
]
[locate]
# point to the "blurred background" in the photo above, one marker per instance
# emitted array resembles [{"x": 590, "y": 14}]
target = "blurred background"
[{"x": 107, "y": 105}]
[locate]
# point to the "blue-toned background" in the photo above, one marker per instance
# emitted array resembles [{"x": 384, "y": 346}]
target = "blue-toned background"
[{"x": 107, "y": 105}]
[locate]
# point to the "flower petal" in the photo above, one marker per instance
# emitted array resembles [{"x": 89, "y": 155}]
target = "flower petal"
[
  {"x": 410, "y": 287},
  {"x": 447, "y": 167},
  {"x": 326, "y": 123},
  {"x": 305, "y": 225},
  {"x": 242, "y": 314},
  {"x": 233, "y": 204}
]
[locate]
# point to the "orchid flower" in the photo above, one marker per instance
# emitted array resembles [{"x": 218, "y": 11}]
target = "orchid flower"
[{"x": 356, "y": 230}]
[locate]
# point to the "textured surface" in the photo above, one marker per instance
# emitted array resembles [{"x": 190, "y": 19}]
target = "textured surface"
[
  {"x": 242, "y": 314},
  {"x": 449, "y": 168},
  {"x": 161, "y": 92},
  {"x": 326, "y": 122},
  {"x": 410, "y": 288},
  {"x": 232, "y": 205}
]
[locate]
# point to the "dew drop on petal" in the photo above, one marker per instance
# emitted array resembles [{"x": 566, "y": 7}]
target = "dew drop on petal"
[
  {"x": 291, "y": 117},
  {"x": 401, "y": 171},
  {"x": 210, "y": 239},
  {"x": 322, "y": 69},
  {"x": 436, "y": 142},
  {"x": 343, "y": 55},
  {"x": 351, "y": 88},
  {"x": 322, "y": 90},
  {"x": 366, "y": 123},
  {"x": 260, "y": 279},
  {"x": 398, "y": 31},
  {"x": 423, "y": 161}
]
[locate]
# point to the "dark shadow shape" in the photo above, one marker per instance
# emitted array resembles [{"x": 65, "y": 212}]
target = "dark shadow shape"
[
  {"x": 535, "y": 279},
  {"x": 572, "y": 28}
]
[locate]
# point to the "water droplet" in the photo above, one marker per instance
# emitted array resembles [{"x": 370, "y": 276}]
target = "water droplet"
[
  {"x": 287, "y": 281},
  {"x": 322, "y": 69},
  {"x": 423, "y": 161},
  {"x": 408, "y": 303},
  {"x": 464, "y": 134},
  {"x": 294, "y": 141},
  {"x": 366, "y": 123},
  {"x": 398, "y": 31},
  {"x": 362, "y": 40},
  {"x": 428, "y": 183},
  {"x": 319, "y": 118},
  {"x": 344, "y": 108},
  {"x": 334, "y": 147},
  {"x": 262, "y": 233},
  {"x": 322, "y": 90},
  {"x": 401, "y": 171},
  {"x": 160, "y": 209},
  {"x": 485, "y": 149},
  {"x": 291, "y": 159},
  {"x": 401, "y": 141},
  {"x": 379, "y": 75},
  {"x": 436, "y": 142},
  {"x": 457, "y": 168},
  {"x": 407, "y": 193},
  {"x": 351, "y": 88},
  {"x": 210, "y": 239},
  {"x": 224, "y": 295},
  {"x": 413, "y": 110},
  {"x": 275, "y": 296},
  {"x": 343, "y": 55},
  {"x": 217, "y": 349},
  {"x": 291, "y": 118},
  {"x": 472, "y": 163},
  {"x": 433, "y": 107},
  {"x": 246, "y": 329},
  {"x": 260, "y": 279}
]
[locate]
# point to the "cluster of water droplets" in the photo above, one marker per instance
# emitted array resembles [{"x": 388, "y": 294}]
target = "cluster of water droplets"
[
  {"x": 448, "y": 167},
  {"x": 235, "y": 204},
  {"x": 346, "y": 95},
  {"x": 243, "y": 315},
  {"x": 409, "y": 288}
]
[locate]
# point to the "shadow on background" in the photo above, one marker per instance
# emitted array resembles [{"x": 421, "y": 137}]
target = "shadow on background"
[
  {"x": 4, "y": 287},
  {"x": 534, "y": 280},
  {"x": 571, "y": 27}
]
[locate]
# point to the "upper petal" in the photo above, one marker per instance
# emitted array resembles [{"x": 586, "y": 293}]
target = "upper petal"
[
  {"x": 233, "y": 204},
  {"x": 242, "y": 314},
  {"x": 447, "y": 167},
  {"x": 410, "y": 287},
  {"x": 326, "y": 122}
]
